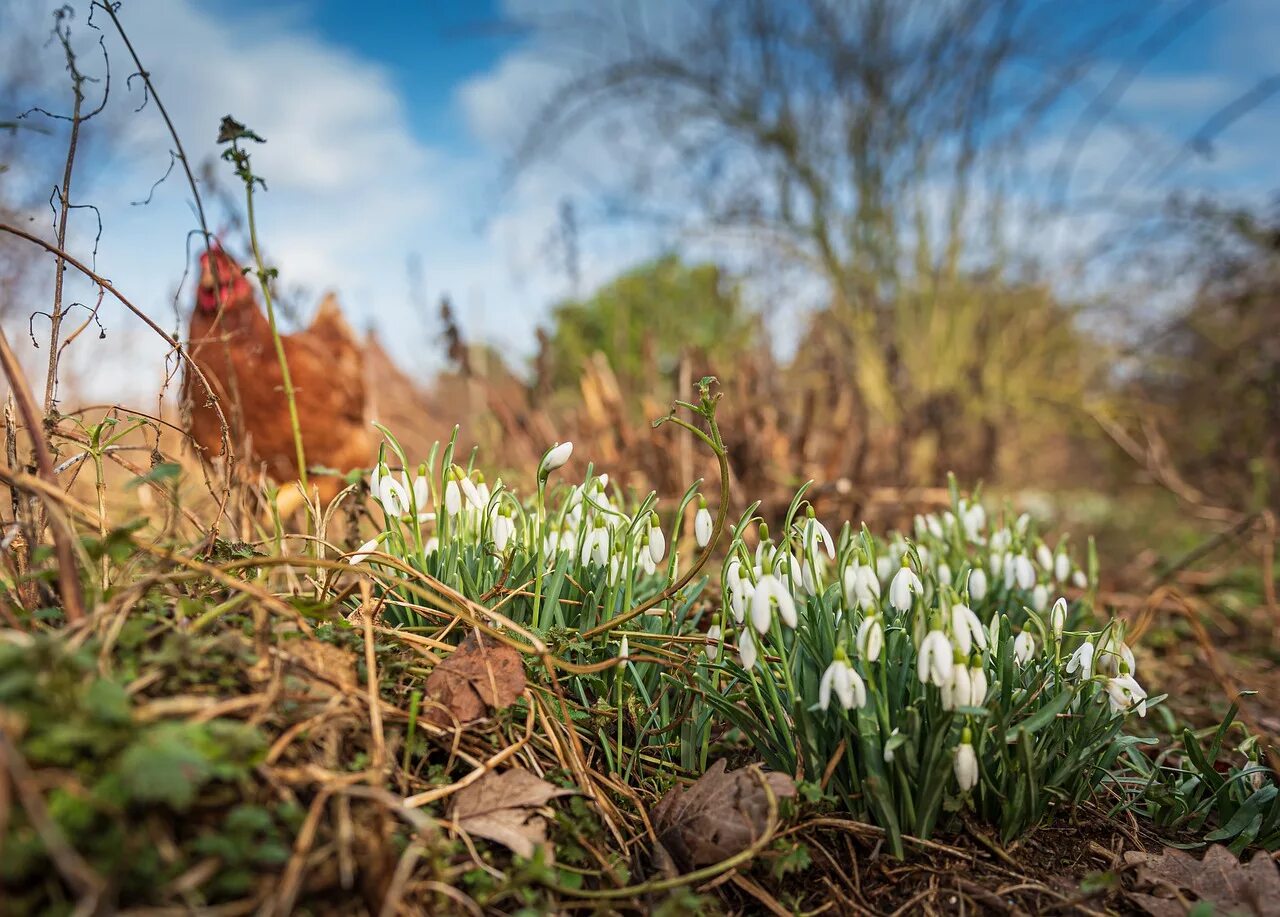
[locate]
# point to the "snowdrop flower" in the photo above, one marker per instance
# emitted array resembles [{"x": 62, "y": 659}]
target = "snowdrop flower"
[
  {"x": 595, "y": 548},
  {"x": 1124, "y": 694},
  {"x": 714, "y": 636},
  {"x": 841, "y": 678},
  {"x": 1040, "y": 598},
  {"x": 944, "y": 574},
  {"x": 1000, "y": 540},
  {"x": 884, "y": 569},
  {"x": 1061, "y": 567},
  {"x": 702, "y": 524},
  {"x": 624, "y": 650},
  {"x": 958, "y": 689},
  {"x": 905, "y": 582},
  {"x": 1115, "y": 658},
  {"x": 1024, "y": 647},
  {"x": 1020, "y": 526},
  {"x": 1082, "y": 660},
  {"x": 1006, "y": 568},
  {"x": 933, "y": 666},
  {"x": 966, "y": 763},
  {"x": 977, "y": 584},
  {"x": 421, "y": 489},
  {"x": 657, "y": 540},
  {"x": 769, "y": 590},
  {"x": 1044, "y": 557},
  {"x": 870, "y": 638},
  {"x": 977, "y": 685},
  {"x": 555, "y": 458},
  {"x": 1079, "y": 580},
  {"x": 1023, "y": 572},
  {"x": 452, "y": 497},
  {"x": 861, "y": 587},
  {"x": 924, "y": 557},
  {"x": 746, "y": 649},
  {"x": 738, "y": 590},
  {"x": 432, "y": 546},
  {"x": 808, "y": 576},
  {"x": 645, "y": 559},
  {"x": 935, "y": 527},
  {"x": 975, "y": 520},
  {"x": 967, "y": 629},
  {"x": 361, "y": 554},
  {"x": 469, "y": 489},
  {"x": 1058, "y": 617},
  {"x": 392, "y": 494},
  {"x": 503, "y": 528},
  {"x": 816, "y": 533}
]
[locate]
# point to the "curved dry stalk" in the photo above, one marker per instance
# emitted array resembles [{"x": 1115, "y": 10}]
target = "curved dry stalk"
[{"x": 63, "y": 534}]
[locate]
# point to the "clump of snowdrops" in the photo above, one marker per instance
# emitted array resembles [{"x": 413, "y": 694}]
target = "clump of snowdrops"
[
  {"x": 921, "y": 681},
  {"x": 589, "y": 569}
]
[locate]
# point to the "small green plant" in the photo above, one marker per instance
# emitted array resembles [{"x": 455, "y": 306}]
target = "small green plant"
[{"x": 1199, "y": 788}]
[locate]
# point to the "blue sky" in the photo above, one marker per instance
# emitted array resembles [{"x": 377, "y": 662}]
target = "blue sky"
[{"x": 388, "y": 126}]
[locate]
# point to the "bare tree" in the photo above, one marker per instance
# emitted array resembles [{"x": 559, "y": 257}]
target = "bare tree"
[{"x": 873, "y": 142}]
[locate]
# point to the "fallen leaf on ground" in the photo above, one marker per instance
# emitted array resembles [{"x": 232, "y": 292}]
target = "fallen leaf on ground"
[
  {"x": 721, "y": 814},
  {"x": 480, "y": 675},
  {"x": 325, "y": 660},
  {"x": 1219, "y": 879},
  {"x": 504, "y": 808}
]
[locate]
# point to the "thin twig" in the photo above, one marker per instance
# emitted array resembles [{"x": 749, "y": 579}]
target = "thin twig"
[{"x": 63, "y": 537}]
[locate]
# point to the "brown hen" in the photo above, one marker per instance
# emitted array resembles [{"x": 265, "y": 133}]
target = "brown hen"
[{"x": 231, "y": 343}]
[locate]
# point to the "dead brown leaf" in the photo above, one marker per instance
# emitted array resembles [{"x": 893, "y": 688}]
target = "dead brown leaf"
[
  {"x": 482, "y": 674},
  {"x": 1219, "y": 879},
  {"x": 505, "y": 808},
  {"x": 721, "y": 814}
]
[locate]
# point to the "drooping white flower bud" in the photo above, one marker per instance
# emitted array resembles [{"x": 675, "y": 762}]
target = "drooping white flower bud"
[
  {"x": 1024, "y": 647},
  {"x": 714, "y": 636},
  {"x": 657, "y": 540},
  {"x": 1040, "y": 598},
  {"x": 944, "y": 574},
  {"x": 905, "y": 584},
  {"x": 978, "y": 584},
  {"x": 702, "y": 525},
  {"x": 933, "y": 665},
  {"x": 452, "y": 495},
  {"x": 1044, "y": 557},
  {"x": 977, "y": 685},
  {"x": 870, "y": 638},
  {"x": 746, "y": 649},
  {"x": 1024, "y": 574},
  {"x": 1079, "y": 580},
  {"x": 956, "y": 692},
  {"x": 1061, "y": 566},
  {"x": 966, "y": 763}
]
